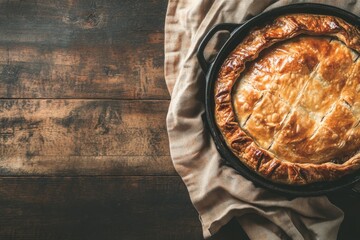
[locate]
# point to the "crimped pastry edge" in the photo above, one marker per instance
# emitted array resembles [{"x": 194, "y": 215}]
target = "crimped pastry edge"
[{"x": 254, "y": 157}]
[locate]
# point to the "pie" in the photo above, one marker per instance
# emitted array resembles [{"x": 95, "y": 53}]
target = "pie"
[{"x": 287, "y": 99}]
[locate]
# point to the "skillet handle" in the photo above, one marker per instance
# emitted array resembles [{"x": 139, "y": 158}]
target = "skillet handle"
[{"x": 230, "y": 27}]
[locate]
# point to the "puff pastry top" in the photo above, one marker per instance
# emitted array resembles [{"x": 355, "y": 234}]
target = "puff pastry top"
[{"x": 289, "y": 106}]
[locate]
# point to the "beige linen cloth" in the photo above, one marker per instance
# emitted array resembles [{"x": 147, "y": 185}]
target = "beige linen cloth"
[{"x": 217, "y": 191}]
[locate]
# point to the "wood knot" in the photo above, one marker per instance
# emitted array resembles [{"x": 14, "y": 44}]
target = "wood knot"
[
  {"x": 87, "y": 20},
  {"x": 10, "y": 74}
]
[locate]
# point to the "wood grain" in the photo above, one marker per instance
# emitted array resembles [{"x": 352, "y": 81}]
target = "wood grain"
[
  {"x": 96, "y": 208},
  {"x": 124, "y": 207},
  {"x": 84, "y": 137},
  {"x": 75, "y": 80},
  {"x": 82, "y": 49}
]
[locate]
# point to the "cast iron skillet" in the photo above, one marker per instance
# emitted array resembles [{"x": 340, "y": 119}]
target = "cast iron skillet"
[{"x": 237, "y": 34}]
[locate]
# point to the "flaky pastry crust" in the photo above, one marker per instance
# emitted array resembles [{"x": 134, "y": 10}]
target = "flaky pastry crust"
[{"x": 292, "y": 115}]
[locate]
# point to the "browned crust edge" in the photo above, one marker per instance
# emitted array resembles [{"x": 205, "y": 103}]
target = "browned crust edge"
[{"x": 243, "y": 146}]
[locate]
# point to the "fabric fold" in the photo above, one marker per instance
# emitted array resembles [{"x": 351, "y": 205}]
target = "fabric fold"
[{"x": 217, "y": 191}]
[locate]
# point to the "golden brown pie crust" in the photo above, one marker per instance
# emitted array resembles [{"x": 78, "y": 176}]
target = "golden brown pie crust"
[{"x": 292, "y": 114}]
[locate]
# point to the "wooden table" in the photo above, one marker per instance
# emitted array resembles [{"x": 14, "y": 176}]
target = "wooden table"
[{"x": 83, "y": 144}]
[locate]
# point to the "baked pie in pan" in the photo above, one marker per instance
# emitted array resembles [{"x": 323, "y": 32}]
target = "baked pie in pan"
[{"x": 287, "y": 99}]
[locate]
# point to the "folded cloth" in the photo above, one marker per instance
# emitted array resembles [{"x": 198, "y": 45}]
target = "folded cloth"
[{"x": 217, "y": 191}]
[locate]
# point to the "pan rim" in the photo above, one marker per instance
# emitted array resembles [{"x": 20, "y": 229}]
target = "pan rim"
[{"x": 236, "y": 36}]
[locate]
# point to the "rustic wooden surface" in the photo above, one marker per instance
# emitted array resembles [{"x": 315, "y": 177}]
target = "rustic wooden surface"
[{"x": 83, "y": 144}]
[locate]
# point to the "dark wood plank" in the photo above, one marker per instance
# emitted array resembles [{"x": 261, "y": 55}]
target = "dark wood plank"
[
  {"x": 96, "y": 208},
  {"x": 143, "y": 207},
  {"x": 231, "y": 231},
  {"x": 84, "y": 137},
  {"x": 349, "y": 203},
  {"x": 82, "y": 49}
]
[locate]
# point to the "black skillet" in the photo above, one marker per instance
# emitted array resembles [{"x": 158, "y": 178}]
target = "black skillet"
[{"x": 237, "y": 33}]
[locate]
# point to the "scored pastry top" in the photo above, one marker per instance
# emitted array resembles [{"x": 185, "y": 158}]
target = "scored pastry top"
[
  {"x": 288, "y": 105},
  {"x": 300, "y": 100}
]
